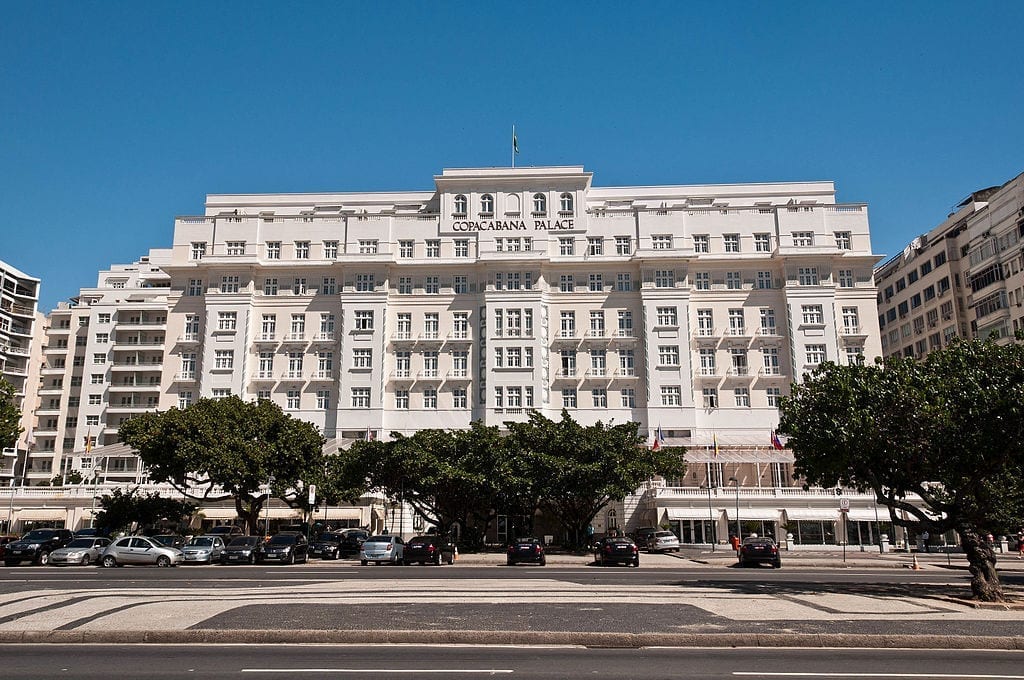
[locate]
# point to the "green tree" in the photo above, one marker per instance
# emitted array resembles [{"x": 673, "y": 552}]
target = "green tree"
[
  {"x": 228, "y": 448},
  {"x": 579, "y": 470},
  {"x": 948, "y": 429},
  {"x": 121, "y": 511},
  {"x": 10, "y": 416}
]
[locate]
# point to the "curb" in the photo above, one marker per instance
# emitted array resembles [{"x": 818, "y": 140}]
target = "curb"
[{"x": 520, "y": 638}]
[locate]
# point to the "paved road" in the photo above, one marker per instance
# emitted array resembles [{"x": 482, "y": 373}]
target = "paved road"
[{"x": 533, "y": 663}]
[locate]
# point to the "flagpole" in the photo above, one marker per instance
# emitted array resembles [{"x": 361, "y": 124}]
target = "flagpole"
[{"x": 513, "y": 145}]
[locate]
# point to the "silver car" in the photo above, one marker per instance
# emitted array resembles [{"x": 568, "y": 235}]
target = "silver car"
[
  {"x": 139, "y": 550},
  {"x": 663, "y": 541},
  {"x": 382, "y": 549},
  {"x": 203, "y": 550},
  {"x": 83, "y": 551}
]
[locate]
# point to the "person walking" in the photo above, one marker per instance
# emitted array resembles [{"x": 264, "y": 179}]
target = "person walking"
[{"x": 1020, "y": 543}]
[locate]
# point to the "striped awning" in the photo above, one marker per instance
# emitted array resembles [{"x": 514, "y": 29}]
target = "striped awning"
[
  {"x": 42, "y": 514},
  {"x": 810, "y": 514},
  {"x": 764, "y": 455},
  {"x": 692, "y": 513},
  {"x": 759, "y": 514}
]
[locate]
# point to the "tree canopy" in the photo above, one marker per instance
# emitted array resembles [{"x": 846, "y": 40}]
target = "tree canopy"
[
  {"x": 228, "y": 448},
  {"x": 10, "y": 416},
  {"x": 125, "y": 511},
  {"x": 948, "y": 429}
]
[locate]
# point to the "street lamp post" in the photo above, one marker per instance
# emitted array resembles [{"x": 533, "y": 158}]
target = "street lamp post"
[
  {"x": 711, "y": 516},
  {"x": 10, "y": 509},
  {"x": 266, "y": 526},
  {"x": 739, "y": 532}
]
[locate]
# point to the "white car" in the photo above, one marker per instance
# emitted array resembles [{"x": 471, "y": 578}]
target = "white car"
[
  {"x": 139, "y": 550},
  {"x": 380, "y": 549},
  {"x": 83, "y": 551},
  {"x": 203, "y": 550},
  {"x": 663, "y": 541}
]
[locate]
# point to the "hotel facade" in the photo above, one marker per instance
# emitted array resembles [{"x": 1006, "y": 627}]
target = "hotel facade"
[{"x": 687, "y": 309}]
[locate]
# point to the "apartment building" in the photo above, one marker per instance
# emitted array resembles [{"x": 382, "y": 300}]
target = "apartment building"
[
  {"x": 963, "y": 279},
  {"x": 19, "y": 356}
]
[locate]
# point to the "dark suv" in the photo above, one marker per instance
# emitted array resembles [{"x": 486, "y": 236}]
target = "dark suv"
[
  {"x": 428, "y": 550},
  {"x": 36, "y": 546}
]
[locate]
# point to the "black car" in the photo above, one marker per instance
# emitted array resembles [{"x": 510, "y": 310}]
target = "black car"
[
  {"x": 353, "y": 543},
  {"x": 756, "y": 550},
  {"x": 170, "y": 540},
  {"x": 36, "y": 546},
  {"x": 617, "y": 550},
  {"x": 92, "y": 532},
  {"x": 327, "y": 546},
  {"x": 429, "y": 550},
  {"x": 286, "y": 547},
  {"x": 227, "y": 532},
  {"x": 526, "y": 549},
  {"x": 242, "y": 549}
]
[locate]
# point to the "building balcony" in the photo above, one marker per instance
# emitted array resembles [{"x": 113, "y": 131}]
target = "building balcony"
[
  {"x": 598, "y": 374},
  {"x": 739, "y": 372},
  {"x": 429, "y": 336},
  {"x": 739, "y": 332},
  {"x": 55, "y": 349},
  {"x": 567, "y": 374},
  {"x": 848, "y": 333},
  {"x": 135, "y": 387},
  {"x": 458, "y": 376},
  {"x": 18, "y": 310},
  {"x": 189, "y": 338},
  {"x": 132, "y": 345},
  {"x": 266, "y": 339},
  {"x": 130, "y": 408},
  {"x": 264, "y": 376},
  {"x": 324, "y": 336},
  {"x": 50, "y": 391},
  {"x": 130, "y": 366},
  {"x": 13, "y": 350},
  {"x": 706, "y": 373},
  {"x": 322, "y": 376},
  {"x": 401, "y": 376},
  {"x": 293, "y": 375},
  {"x": 460, "y": 337},
  {"x": 771, "y": 373},
  {"x": 624, "y": 335},
  {"x": 428, "y": 374},
  {"x": 140, "y": 325},
  {"x": 295, "y": 338},
  {"x": 626, "y": 374},
  {"x": 187, "y": 377},
  {"x": 53, "y": 370}
]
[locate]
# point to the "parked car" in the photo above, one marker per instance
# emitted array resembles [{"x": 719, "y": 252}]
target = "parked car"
[
  {"x": 353, "y": 543},
  {"x": 83, "y": 551},
  {"x": 617, "y": 550},
  {"x": 378, "y": 549},
  {"x": 226, "y": 532},
  {"x": 4, "y": 540},
  {"x": 92, "y": 532},
  {"x": 429, "y": 550},
  {"x": 286, "y": 547},
  {"x": 36, "y": 546},
  {"x": 242, "y": 549},
  {"x": 203, "y": 550},
  {"x": 663, "y": 541},
  {"x": 327, "y": 546},
  {"x": 170, "y": 540},
  {"x": 139, "y": 550},
  {"x": 756, "y": 549},
  {"x": 525, "y": 549},
  {"x": 643, "y": 535}
]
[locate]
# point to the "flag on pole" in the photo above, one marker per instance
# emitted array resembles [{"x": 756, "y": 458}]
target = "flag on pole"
[
  {"x": 776, "y": 442},
  {"x": 714, "y": 439},
  {"x": 659, "y": 437},
  {"x": 88, "y": 441},
  {"x": 515, "y": 141},
  {"x": 369, "y": 434}
]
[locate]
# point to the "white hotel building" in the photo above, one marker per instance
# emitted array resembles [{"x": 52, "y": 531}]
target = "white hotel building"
[{"x": 685, "y": 308}]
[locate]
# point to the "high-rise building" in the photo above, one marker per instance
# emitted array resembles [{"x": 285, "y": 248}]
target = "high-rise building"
[{"x": 19, "y": 357}]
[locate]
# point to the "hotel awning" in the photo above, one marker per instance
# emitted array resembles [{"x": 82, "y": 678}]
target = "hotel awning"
[
  {"x": 760, "y": 514},
  {"x": 810, "y": 514},
  {"x": 338, "y": 513},
  {"x": 692, "y": 513},
  {"x": 744, "y": 456},
  {"x": 42, "y": 513},
  {"x": 868, "y": 515}
]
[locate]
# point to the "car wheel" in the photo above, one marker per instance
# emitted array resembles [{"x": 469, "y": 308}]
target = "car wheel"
[
  {"x": 86, "y": 560},
  {"x": 509, "y": 563},
  {"x": 363, "y": 562},
  {"x": 109, "y": 561},
  {"x": 334, "y": 555},
  {"x": 543, "y": 561},
  {"x": 163, "y": 561},
  {"x": 437, "y": 560},
  {"x": 291, "y": 558},
  {"x": 10, "y": 563},
  {"x": 777, "y": 565},
  {"x": 43, "y": 559},
  {"x": 636, "y": 563},
  {"x": 451, "y": 558},
  {"x": 252, "y": 559}
]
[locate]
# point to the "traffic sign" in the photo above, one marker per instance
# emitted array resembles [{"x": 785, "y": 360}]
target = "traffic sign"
[{"x": 844, "y": 505}]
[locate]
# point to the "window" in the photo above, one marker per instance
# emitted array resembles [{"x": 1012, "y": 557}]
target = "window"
[
  {"x": 461, "y": 206},
  {"x": 568, "y": 362},
  {"x": 236, "y": 247},
  {"x": 460, "y": 284},
  {"x": 459, "y": 398},
  {"x": 269, "y": 327},
  {"x": 486, "y": 205},
  {"x": 184, "y": 400},
  {"x": 229, "y": 284},
  {"x": 737, "y": 324},
  {"x": 912, "y": 276},
  {"x": 431, "y": 325},
  {"x": 273, "y": 250},
  {"x": 664, "y": 278},
  {"x": 733, "y": 281},
  {"x": 224, "y": 359},
  {"x": 191, "y": 326},
  {"x": 915, "y": 300},
  {"x": 701, "y": 243},
  {"x": 771, "y": 361},
  {"x": 299, "y": 286},
  {"x": 298, "y": 326},
  {"x": 812, "y": 315},
  {"x": 595, "y": 246},
  {"x": 623, "y": 282},
  {"x": 803, "y": 239},
  {"x": 625, "y": 323},
  {"x": 566, "y": 283},
  {"x": 270, "y": 286},
  {"x": 742, "y": 396},
  {"x": 807, "y": 276},
  {"x": 432, "y": 285},
  {"x": 709, "y": 396},
  {"x": 851, "y": 320},
  {"x": 926, "y": 267},
  {"x": 368, "y": 246},
  {"x": 405, "y": 285},
  {"x": 102, "y": 338},
  {"x": 569, "y": 397},
  {"x": 430, "y": 398},
  {"x": 433, "y": 248},
  {"x": 266, "y": 365},
  {"x": 360, "y": 397},
  {"x": 702, "y": 280},
  {"x": 198, "y": 250},
  {"x": 707, "y": 362},
  {"x": 668, "y": 355},
  {"x": 195, "y": 287},
  {"x": 774, "y": 395},
  {"x": 815, "y": 354},
  {"x": 595, "y": 283},
  {"x": 705, "y": 322},
  {"x": 540, "y": 205},
  {"x": 845, "y": 277},
  {"x": 92, "y": 420},
  {"x": 461, "y": 247},
  {"x": 330, "y": 286},
  {"x": 405, "y": 248},
  {"x": 364, "y": 320},
  {"x": 102, "y": 318},
  {"x": 227, "y": 321},
  {"x": 365, "y": 283},
  {"x": 292, "y": 400},
  {"x": 460, "y": 364},
  {"x": 598, "y": 362},
  {"x": 302, "y": 250},
  {"x": 188, "y": 368},
  {"x": 628, "y": 397},
  {"x": 323, "y": 399},
  {"x": 324, "y": 364},
  {"x": 731, "y": 242},
  {"x": 568, "y": 324},
  {"x": 855, "y": 354},
  {"x": 331, "y": 250},
  {"x": 668, "y": 316},
  {"x": 843, "y": 240},
  {"x": 661, "y": 242},
  {"x": 566, "y": 246},
  {"x": 362, "y": 358},
  {"x": 762, "y": 243},
  {"x": 623, "y": 245},
  {"x": 565, "y": 204},
  {"x": 95, "y": 399},
  {"x": 627, "y": 365}
]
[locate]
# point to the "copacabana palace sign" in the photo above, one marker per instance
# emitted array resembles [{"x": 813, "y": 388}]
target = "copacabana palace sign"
[{"x": 513, "y": 225}]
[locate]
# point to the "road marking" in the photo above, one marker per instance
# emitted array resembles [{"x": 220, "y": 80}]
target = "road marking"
[
  {"x": 383, "y": 671},
  {"x": 879, "y": 675}
]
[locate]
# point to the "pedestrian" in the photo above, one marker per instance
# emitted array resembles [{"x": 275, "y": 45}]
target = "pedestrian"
[
  {"x": 924, "y": 540},
  {"x": 1020, "y": 543}
]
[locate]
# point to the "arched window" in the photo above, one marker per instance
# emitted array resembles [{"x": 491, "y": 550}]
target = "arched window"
[
  {"x": 612, "y": 520},
  {"x": 566, "y": 203},
  {"x": 460, "y": 205},
  {"x": 512, "y": 204},
  {"x": 487, "y": 204},
  {"x": 540, "y": 204}
]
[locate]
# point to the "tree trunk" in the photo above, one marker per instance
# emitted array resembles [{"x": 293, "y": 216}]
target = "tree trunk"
[
  {"x": 250, "y": 512},
  {"x": 981, "y": 558}
]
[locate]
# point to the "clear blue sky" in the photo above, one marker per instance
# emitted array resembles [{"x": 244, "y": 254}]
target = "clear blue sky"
[{"x": 115, "y": 117}]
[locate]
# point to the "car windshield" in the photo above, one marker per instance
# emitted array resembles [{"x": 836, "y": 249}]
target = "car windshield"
[
  {"x": 664, "y": 534},
  {"x": 39, "y": 535},
  {"x": 244, "y": 541},
  {"x": 423, "y": 539},
  {"x": 81, "y": 543},
  {"x": 757, "y": 541},
  {"x": 379, "y": 539},
  {"x": 527, "y": 539},
  {"x": 334, "y": 538},
  {"x": 204, "y": 541},
  {"x": 283, "y": 539},
  {"x": 165, "y": 539},
  {"x": 222, "y": 530}
]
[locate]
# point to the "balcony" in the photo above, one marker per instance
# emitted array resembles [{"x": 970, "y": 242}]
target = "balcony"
[
  {"x": 771, "y": 372},
  {"x": 428, "y": 374},
  {"x": 293, "y": 375},
  {"x": 402, "y": 336},
  {"x": 626, "y": 373},
  {"x": 768, "y": 332},
  {"x": 295, "y": 338},
  {"x": 708, "y": 373},
  {"x": 188, "y": 339},
  {"x": 19, "y": 310},
  {"x": 598, "y": 374},
  {"x": 186, "y": 376},
  {"x": 739, "y": 372},
  {"x": 567, "y": 374},
  {"x": 597, "y": 335},
  {"x": 849, "y": 333},
  {"x": 137, "y": 343},
  {"x": 739, "y": 332},
  {"x": 458, "y": 375},
  {"x": 460, "y": 337},
  {"x": 131, "y": 408},
  {"x": 429, "y": 336},
  {"x": 135, "y": 387},
  {"x": 266, "y": 339},
  {"x": 15, "y": 351},
  {"x": 144, "y": 325},
  {"x": 324, "y": 336},
  {"x": 136, "y": 366},
  {"x": 322, "y": 376},
  {"x": 264, "y": 376},
  {"x": 402, "y": 375}
]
